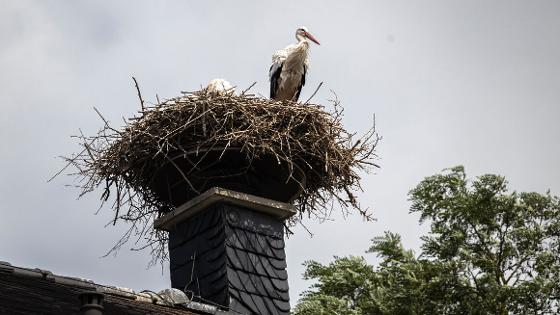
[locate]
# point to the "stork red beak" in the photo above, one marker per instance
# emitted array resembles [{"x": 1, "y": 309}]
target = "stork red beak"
[{"x": 311, "y": 38}]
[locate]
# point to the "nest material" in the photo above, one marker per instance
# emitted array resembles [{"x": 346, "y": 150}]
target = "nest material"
[{"x": 304, "y": 137}]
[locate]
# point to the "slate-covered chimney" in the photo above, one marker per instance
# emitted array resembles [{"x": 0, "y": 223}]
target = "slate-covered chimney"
[{"x": 227, "y": 248}]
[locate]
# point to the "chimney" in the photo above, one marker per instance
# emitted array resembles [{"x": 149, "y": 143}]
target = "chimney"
[
  {"x": 91, "y": 303},
  {"x": 227, "y": 248}
]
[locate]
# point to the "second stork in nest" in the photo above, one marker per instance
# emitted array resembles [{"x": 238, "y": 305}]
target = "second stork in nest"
[{"x": 289, "y": 67}]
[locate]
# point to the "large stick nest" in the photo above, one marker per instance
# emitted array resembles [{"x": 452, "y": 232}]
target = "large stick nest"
[{"x": 306, "y": 138}]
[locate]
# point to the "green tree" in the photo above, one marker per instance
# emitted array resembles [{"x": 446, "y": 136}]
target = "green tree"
[
  {"x": 400, "y": 284},
  {"x": 489, "y": 251},
  {"x": 506, "y": 245},
  {"x": 345, "y": 286}
]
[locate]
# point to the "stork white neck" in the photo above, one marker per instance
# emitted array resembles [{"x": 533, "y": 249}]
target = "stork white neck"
[
  {"x": 301, "y": 38},
  {"x": 302, "y": 46}
]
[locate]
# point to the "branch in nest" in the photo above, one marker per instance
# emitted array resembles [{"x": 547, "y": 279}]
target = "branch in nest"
[
  {"x": 139, "y": 94},
  {"x": 312, "y": 95}
]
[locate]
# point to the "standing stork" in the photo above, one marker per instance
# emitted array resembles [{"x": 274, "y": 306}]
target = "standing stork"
[{"x": 289, "y": 67}]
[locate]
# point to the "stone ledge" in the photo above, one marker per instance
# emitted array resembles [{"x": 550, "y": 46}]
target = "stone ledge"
[{"x": 280, "y": 210}]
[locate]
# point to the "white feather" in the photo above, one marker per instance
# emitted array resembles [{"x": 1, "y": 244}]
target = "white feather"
[{"x": 220, "y": 87}]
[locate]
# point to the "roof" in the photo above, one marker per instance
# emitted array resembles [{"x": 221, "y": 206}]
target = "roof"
[{"x": 36, "y": 291}]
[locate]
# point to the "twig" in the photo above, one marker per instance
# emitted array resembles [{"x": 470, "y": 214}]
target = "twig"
[
  {"x": 306, "y": 229},
  {"x": 101, "y": 116},
  {"x": 317, "y": 89},
  {"x": 247, "y": 89},
  {"x": 139, "y": 94}
]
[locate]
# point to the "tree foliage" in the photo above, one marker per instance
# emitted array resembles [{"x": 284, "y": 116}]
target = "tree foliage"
[{"x": 489, "y": 251}]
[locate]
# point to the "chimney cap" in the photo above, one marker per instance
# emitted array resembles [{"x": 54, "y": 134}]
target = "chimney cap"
[
  {"x": 91, "y": 302},
  {"x": 280, "y": 210}
]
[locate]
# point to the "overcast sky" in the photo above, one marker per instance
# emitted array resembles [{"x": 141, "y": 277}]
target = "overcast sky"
[{"x": 450, "y": 82}]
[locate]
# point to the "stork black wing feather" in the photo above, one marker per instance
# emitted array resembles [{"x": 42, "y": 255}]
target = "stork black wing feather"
[
  {"x": 275, "y": 71},
  {"x": 302, "y": 83}
]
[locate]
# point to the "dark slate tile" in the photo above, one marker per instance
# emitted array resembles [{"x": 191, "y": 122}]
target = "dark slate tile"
[
  {"x": 235, "y": 303},
  {"x": 277, "y": 244},
  {"x": 262, "y": 246},
  {"x": 201, "y": 250},
  {"x": 252, "y": 242},
  {"x": 256, "y": 284},
  {"x": 242, "y": 260},
  {"x": 214, "y": 234},
  {"x": 248, "y": 302},
  {"x": 271, "y": 291},
  {"x": 211, "y": 240},
  {"x": 245, "y": 282},
  {"x": 284, "y": 306},
  {"x": 278, "y": 264},
  {"x": 241, "y": 282},
  {"x": 272, "y": 267},
  {"x": 219, "y": 295},
  {"x": 253, "y": 263},
  {"x": 205, "y": 279},
  {"x": 281, "y": 285},
  {"x": 185, "y": 231},
  {"x": 244, "y": 240},
  {"x": 206, "y": 272},
  {"x": 273, "y": 308},
  {"x": 262, "y": 307}
]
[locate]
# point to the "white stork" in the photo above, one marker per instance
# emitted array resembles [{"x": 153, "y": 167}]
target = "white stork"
[
  {"x": 220, "y": 87},
  {"x": 289, "y": 67}
]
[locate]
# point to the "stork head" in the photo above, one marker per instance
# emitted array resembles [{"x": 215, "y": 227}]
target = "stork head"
[{"x": 302, "y": 34}]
